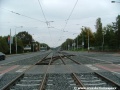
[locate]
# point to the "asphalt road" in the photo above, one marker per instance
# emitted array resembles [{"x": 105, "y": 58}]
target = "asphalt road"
[{"x": 18, "y": 57}]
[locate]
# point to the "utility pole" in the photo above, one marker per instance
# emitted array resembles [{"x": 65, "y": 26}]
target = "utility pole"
[
  {"x": 74, "y": 44},
  {"x": 16, "y": 41},
  {"x": 77, "y": 42},
  {"x": 82, "y": 42},
  {"x": 16, "y": 37},
  {"x": 82, "y": 38},
  {"x": 103, "y": 42},
  {"x": 88, "y": 41},
  {"x": 88, "y": 38},
  {"x": 10, "y": 41}
]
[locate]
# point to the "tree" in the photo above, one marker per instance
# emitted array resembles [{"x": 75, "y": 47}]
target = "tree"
[
  {"x": 67, "y": 45},
  {"x": 109, "y": 37},
  {"x": 118, "y": 30},
  {"x": 4, "y": 47},
  {"x": 84, "y": 34},
  {"x": 25, "y": 37},
  {"x": 98, "y": 34}
]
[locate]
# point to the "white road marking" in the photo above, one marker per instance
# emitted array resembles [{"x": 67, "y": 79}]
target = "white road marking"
[
  {"x": 92, "y": 67},
  {"x": 23, "y": 69}
]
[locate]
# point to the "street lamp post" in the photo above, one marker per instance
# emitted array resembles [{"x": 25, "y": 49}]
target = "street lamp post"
[
  {"x": 82, "y": 38},
  {"x": 16, "y": 37},
  {"x": 77, "y": 38},
  {"x": 74, "y": 44},
  {"x": 33, "y": 47},
  {"x": 82, "y": 42},
  {"x": 74, "y": 41},
  {"x": 33, "y": 43},
  {"x": 88, "y": 39},
  {"x": 77, "y": 42},
  {"x": 103, "y": 42}
]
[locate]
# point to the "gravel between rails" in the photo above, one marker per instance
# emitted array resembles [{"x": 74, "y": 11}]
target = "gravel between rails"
[
  {"x": 6, "y": 78},
  {"x": 111, "y": 76},
  {"x": 60, "y": 82},
  {"x": 91, "y": 80},
  {"x": 29, "y": 82}
]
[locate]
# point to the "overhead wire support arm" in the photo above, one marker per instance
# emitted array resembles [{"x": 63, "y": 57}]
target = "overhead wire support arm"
[
  {"x": 70, "y": 15},
  {"x": 43, "y": 13},
  {"x": 47, "y": 22}
]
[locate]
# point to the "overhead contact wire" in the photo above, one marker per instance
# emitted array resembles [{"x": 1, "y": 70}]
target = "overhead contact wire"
[
  {"x": 22, "y": 15},
  {"x": 47, "y": 23},
  {"x": 69, "y": 17}
]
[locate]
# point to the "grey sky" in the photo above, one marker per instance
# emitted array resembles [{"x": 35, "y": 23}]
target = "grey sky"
[{"x": 85, "y": 14}]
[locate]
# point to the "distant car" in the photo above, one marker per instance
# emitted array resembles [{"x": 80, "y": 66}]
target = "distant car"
[{"x": 2, "y": 56}]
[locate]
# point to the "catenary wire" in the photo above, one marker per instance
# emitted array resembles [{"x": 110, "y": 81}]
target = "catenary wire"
[
  {"x": 47, "y": 23},
  {"x": 68, "y": 18},
  {"x": 43, "y": 12},
  {"x": 22, "y": 15}
]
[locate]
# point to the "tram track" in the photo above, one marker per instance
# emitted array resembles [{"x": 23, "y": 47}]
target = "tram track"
[
  {"x": 12, "y": 85},
  {"x": 59, "y": 81},
  {"x": 69, "y": 80}
]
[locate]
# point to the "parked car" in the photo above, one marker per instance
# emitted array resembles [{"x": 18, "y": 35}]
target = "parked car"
[{"x": 2, "y": 56}]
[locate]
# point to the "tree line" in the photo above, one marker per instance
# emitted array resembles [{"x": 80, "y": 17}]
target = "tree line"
[
  {"x": 104, "y": 38},
  {"x": 24, "y": 39}
]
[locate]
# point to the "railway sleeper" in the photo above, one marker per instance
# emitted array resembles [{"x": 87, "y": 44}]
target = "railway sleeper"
[
  {"x": 28, "y": 82},
  {"x": 60, "y": 82},
  {"x": 92, "y": 80}
]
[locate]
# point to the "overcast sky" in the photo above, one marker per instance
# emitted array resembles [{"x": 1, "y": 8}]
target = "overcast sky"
[{"x": 32, "y": 20}]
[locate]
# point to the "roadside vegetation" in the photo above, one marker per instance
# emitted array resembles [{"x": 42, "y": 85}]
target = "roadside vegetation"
[
  {"x": 24, "y": 39},
  {"x": 105, "y": 38}
]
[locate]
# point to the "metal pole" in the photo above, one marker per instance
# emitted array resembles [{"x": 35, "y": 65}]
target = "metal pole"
[
  {"x": 77, "y": 42},
  {"x": 66, "y": 46},
  {"x": 74, "y": 45},
  {"x": 88, "y": 41},
  {"x": 103, "y": 42},
  {"x": 16, "y": 41},
  {"x": 16, "y": 37},
  {"x": 82, "y": 42},
  {"x": 33, "y": 47},
  {"x": 82, "y": 39},
  {"x": 10, "y": 41}
]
